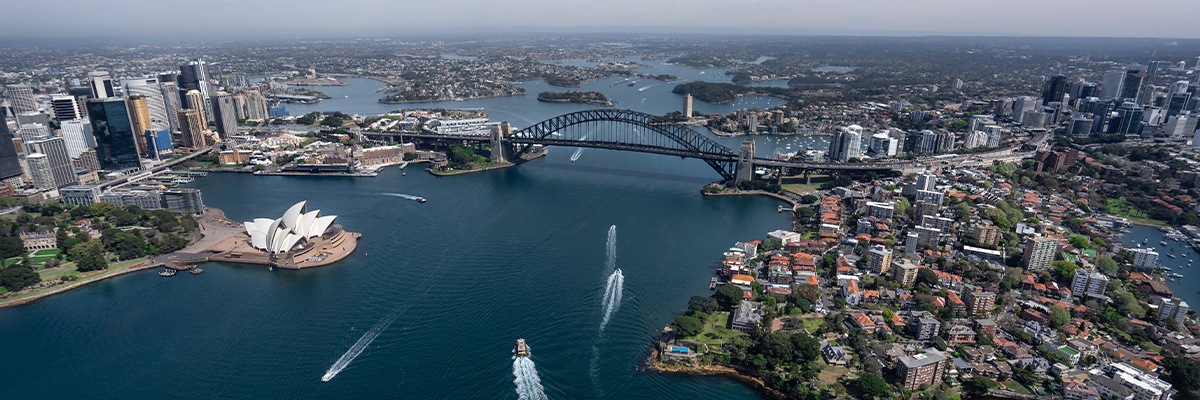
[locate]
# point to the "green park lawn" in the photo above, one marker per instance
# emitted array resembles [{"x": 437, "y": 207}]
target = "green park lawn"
[
  {"x": 714, "y": 332},
  {"x": 1016, "y": 387},
  {"x": 812, "y": 324}
]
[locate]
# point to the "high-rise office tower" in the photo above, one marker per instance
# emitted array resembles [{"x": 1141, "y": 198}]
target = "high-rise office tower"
[
  {"x": 191, "y": 129},
  {"x": 78, "y": 136},
  {"x": 33, "y": 117},
  {"x": 113, "y": 129},
  {"x": 101, "y": 84},
  {"x": 66, "y": 107},
  {"x": 31, "y": 133},
  {"x": 58, "y": 161},
  {"x": 39, "y": 171},
  {"x": 993, "y": 132},
  {"x": 1023, "y": 105},
  {"x": 170, "y": 94},
  {"x": 10, "y": 163},
  {"x": 239, "y": 105},
  {"x": 194, "y": 76},
  {"x": 170, "y": 77},
  {"x": 1081, "y": 90},
  {"x": 224, "y": 115},
  {"x": 1112, "y": 85},
  {"x": 1054, "y": 89},
  {"x": 195, "y": 101},
  {"x": 20, "y": 96},
  {"x": 256, "y": 105},
  {"x": 1131, "y": 86},
  {"x": 1127, "y": 119},
  {"x": 155, "y": 104},
  {"x": 139, "y": 114}
]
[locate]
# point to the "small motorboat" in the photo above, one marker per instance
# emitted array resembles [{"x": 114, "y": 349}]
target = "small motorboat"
[
  {"x": 421, "y": 199},
  {"x": 522, "y": 348}
]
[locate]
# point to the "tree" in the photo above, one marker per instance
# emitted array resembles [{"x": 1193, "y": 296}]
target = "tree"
[
  {"x": 1065, "y": 270},
  {"x": 1058, "y": 316},
  {"x": 728, "y": 296},
  {"x": 409, "y": 156},
  {"x": 1107, "y": 265},
  {"x": 89, "y": 256},
  {"x": 808, "y": 199},
  {"x": 977, "y": 386},
  {"x": 1184, "y": 373},
  {"x": 872, "y": 385},
  {"x": 928, "y": 277},
  {"x": 706, "y": 305},
  {"x": 19, "y": 277},
  {"x": 688, "y": 326},
  {"x": 902, "y": 205},
  {"x": 101, "y": 209},
  {"x": 60, "y": 238},
  {"x": 11, "y": 246},
  {"x": 807, "y": 349}
]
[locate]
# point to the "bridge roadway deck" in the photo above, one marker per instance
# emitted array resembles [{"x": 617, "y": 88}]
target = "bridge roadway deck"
[{"x": 1001, "y": 154}]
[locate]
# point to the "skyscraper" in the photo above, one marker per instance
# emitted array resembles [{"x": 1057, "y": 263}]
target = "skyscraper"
[
  {"x": 239, "y": 105},
  {"x": 39, "y": 171},
  {"x": 10, "y": 163},
  {"x": 139, "y": 113},
  {"x": 78, "y": 136},
  {"x": 993, "y": 132},
  {"x": 157, "y": 106},
  {"x": 170, "y": 94},
  {"x": 66, "y": 107},
  {"x": 256, "y": 105},
  {"x": 113, "y": 129},
  {"x": 224, "y": 114},
  {"x": 195, "y": 101},
  {"x": 57, "y": 160},
  {"x": 191, "y": 129},
  {"x": 1054, "y": 89},
  {"x": 31, "y": 133},
  {"x": 1132, "y": 85},
  {"x": 21, "y": 98},
  {"x": 1023, "y": 105},
  {"x": 101, "y": 84},
  {"x": 194, "y": 76},
  {"x": 1113, "y": 83}
]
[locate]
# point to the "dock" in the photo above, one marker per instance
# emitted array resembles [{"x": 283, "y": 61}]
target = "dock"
[{"x": 712, "y": 284}]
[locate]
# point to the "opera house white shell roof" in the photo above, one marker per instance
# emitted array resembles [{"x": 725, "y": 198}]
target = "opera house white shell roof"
[{"x": 280, "y": 235}]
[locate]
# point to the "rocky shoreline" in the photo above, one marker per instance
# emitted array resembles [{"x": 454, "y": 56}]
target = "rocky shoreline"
[{"x": 716, "y": 370}]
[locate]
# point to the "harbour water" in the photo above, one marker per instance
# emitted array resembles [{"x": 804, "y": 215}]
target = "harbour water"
[
  {"x": 1185, "y": 288},
  {"x": 491, "y": 257}
]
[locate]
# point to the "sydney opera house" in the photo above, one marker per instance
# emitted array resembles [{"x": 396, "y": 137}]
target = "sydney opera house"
[
  {"x": 291, "y": 232},
  {"x": 298, "y": 239}
]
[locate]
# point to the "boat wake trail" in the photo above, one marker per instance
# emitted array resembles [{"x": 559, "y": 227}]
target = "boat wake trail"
[
  {"x": 612, "y": 296},
  {"x": 529, "y": 386},
  {"x": 611, "y": 247},
  {"x": 402, "y": 195},
  {"x": 357, "y": 348},
  {"x": 578, "y": 151}
]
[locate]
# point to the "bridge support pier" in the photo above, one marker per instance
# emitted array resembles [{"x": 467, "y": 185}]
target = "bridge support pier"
[
  {"x": 745, "y": 164},
  {"x": 807, "y": 177},
  {"x": 500, "y": 151}
]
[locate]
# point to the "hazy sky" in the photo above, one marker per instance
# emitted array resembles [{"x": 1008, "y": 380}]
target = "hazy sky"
[{"x": 249, "y": 18}]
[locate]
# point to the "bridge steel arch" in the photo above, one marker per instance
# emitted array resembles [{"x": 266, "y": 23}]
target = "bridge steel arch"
[{"x": 669, "y": 139}]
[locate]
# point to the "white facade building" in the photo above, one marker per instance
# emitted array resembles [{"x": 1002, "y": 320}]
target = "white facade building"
[
  {"x": 78, "y": 134},
  {"x": 1088, "y": 283}
]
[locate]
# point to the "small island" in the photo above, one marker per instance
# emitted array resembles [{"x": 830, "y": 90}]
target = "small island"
[{"x": 593, "y": 98}]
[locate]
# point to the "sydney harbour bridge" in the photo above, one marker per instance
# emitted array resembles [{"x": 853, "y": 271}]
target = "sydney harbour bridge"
[{"x": 641, "y": 132}]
